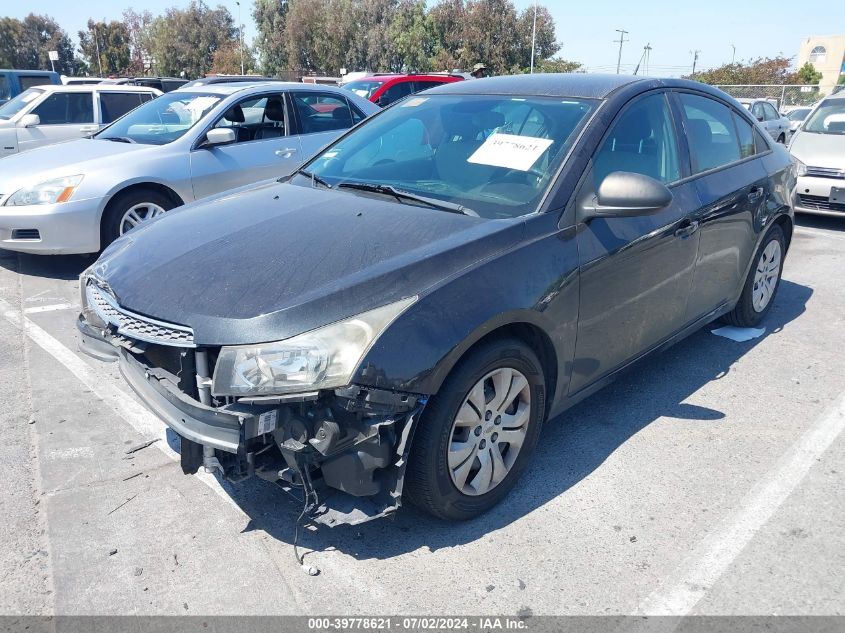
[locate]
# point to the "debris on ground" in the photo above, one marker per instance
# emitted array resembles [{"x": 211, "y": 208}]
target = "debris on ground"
[
  {"x": 122, "y": 504},
  {"x": 739, "y": 334},
  {"x": 142, "y": 445},
  {"x": 113, "y": 551},
  {"x": 132, "y": 476},
  {"x": 139, "y": 571}
]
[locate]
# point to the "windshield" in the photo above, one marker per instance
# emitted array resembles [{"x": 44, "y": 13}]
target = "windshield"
[
  {"x": 162, "y": 120},
  {"x": 364, "y": 87},
  {"x": 12, "y": 107},
  {"x": 798, "y": 115},
  {"x": 494, "y": 155},
  {"x": 828, "y": 118}
]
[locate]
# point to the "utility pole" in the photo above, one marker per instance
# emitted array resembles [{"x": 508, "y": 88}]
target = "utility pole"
[
  {"x": 97, "y": 42},
  {"x": 533, "y": 37},
  {"x": 647, "y": 53},
  {"x": 733, "y": 55},
  {"x": 241, "y": 36},
  {"x": 621, "y": 40},
  {"x": 694, "y": 61}
]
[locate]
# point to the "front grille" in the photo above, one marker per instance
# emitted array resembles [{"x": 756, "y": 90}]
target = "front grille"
[
  {"x": 825, "y": 172},
  {"x": 26, "y": 234},
  {"x": 134, "y": 325},
  {"x": 819, "y": 203}
]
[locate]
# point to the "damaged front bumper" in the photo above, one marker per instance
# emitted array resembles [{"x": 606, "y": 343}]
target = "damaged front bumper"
[{"x": 345, "y": 449}]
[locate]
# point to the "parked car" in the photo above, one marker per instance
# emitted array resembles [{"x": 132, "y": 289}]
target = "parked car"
[
  {"x": 164, "y": 84},
  {"x": 386, "y": 89},
  {"x": 182, "y": 146},
  {"x": 44, "y": 115},
  {"x": 71, "y": 81},
  {"x": 227, "y": 79},
  {"x": 796, "y": 117},
  {"x": 818, "y": 149},
  {"x": 772, "y": 121},
  {"x": 14, "y": 82},
  {"x": 404, "y": 312}
]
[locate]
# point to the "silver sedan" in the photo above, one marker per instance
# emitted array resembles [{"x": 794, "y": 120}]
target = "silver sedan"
[{"x": 79, "y": 196}]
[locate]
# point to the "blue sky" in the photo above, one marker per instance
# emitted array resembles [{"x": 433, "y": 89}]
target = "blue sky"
[{"x": 674, "y": 28}]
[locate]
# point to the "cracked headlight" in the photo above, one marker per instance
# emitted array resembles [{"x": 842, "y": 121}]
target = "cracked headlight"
[
  {"x": 324, "y": 358},
  {"x": 47, "y": 192}
]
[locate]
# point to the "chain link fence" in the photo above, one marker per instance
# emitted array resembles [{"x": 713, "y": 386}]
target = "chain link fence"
[{"x": 782, "y": 97}]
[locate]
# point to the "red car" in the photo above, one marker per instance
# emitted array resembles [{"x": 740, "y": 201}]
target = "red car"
[{"x": 389, "y": 88}]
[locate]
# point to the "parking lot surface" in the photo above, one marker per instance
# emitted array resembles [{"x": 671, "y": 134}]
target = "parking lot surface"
[{"x": 708, "y": 480}]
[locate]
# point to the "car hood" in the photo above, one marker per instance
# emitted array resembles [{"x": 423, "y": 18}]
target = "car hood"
[
  {"x": 80, "y": 156},
  {"x": 282, "y": 259},
  {"x": 819, "y": 150}
]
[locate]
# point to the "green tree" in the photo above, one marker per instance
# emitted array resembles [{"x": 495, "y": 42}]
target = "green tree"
[
  {"x": 305, "y": 34},
  {"x": 448, "y": 18},
  {"x": 841, "y": 80},
  {"x": 183, "y": 41},
  {"x": 557, "y": 65},
  {"x": 11, "y": 37},
  {"x": 808, "y": 74},
  {"x": 411, "y": 32},
  {"x": 26, "y": 44},
  {"x": 760, "y": 71},
  {"x": 270, "y": 17},
  {"x": 545, "y": 46},
  {"x": 111, "y": 42},
  {"x": 227, "y": 60},
  {"x": 138, "y": 27}
]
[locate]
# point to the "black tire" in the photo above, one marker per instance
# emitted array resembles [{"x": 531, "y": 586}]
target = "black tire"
[
  {"x": 782, "y": 139},
  {"x": 744, "y": 314},
  {"x": 428, "y": 482},
  {"x": 121, "y": 203}
]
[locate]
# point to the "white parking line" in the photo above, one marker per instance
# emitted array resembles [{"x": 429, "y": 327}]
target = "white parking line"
[
  {"x": 49, "y": 308},
  {"x": 709, "y": 560},
  {"x": 143, "y": 421}
]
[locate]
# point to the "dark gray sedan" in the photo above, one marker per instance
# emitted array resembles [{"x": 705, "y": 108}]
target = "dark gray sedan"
[{"x": 402, "y": 314}]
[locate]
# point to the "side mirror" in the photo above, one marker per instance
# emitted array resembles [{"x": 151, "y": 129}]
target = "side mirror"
[
  {"x": 625, "y": 194},
  {"x": 219, "y": 136},
  {"x": 29, "y": 120},
  {"x": 760, "y": 117}
]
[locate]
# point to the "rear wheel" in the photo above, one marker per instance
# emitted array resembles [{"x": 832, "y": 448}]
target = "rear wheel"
[
  {"x": 129, "y": 210},
  {"x": 762, "y": 283},
  {"x": 478, "y": 433}
]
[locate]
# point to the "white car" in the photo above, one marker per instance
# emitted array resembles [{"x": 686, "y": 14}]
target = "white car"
[
  {"x": 767, "y": 114},
  {"x": 48, "y": 114}
]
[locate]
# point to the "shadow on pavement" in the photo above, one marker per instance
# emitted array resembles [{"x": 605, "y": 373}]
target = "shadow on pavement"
[
  {"x": 570, "y": 448},
  {"x": 66, "y": 267},
  {"x": 824, "y": 222}
]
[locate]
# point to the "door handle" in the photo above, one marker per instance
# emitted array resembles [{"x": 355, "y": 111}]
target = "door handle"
[
  {"x": 286, "y": 151},
  {"x": 687, "y": 229},
  {"x": 755, "y": 194}
]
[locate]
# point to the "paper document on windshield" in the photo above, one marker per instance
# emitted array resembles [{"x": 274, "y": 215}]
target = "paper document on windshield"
[{"x": 510, "y": 151}]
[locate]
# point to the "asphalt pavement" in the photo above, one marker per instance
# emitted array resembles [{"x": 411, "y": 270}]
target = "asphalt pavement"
[{"x": 708, "y": 480}]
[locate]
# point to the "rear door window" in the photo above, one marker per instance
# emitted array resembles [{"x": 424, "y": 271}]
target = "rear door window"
[
  {"x": 771, "y": 113},
  {"x": 62, "y": 108},
  {"x": 114, "y": 105},
  {"x": 710, "y": 131},
  {"x": 397, "y": 91},
  {"x": 746, "y": 136}
]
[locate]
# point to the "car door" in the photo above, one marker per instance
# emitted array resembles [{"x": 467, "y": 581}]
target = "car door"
[
  {"x": 263, "y": 149},
  {"x": 321, "y": 118},
  {"x": 635, "y": 272},
  {"x": 398, "y": 90},
  {"x": 731, "y": 183},
  {"x": 63, "y": 116},
  {"x": 779, "y": 125}
]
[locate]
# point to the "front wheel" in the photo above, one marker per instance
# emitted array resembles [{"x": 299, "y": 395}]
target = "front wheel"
[
  {"x": 131, "y": 209},
  {"x": 782, "y": 139},
  {"x": 762, "y": 283},
  {"x": 478, "y": 433}
]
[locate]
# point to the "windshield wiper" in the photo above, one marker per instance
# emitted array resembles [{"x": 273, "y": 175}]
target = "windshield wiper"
[
  {"x": 314, "y": 178},
  {"x": 116, "y": 139},
  {"x": 401, "y": 195}
]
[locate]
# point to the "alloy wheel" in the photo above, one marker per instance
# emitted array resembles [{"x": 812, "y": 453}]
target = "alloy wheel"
[
  {"x": 137, "y": 214},
  {"x": 766, "y": 276},
  {"x": 488, "y": 431}
]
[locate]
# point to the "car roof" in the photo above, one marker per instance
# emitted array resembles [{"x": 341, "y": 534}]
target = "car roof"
[
  {"x": 98, "y": 87},
  {"x": 226, "y": 89},
  {"x": 584, "y": 85}
]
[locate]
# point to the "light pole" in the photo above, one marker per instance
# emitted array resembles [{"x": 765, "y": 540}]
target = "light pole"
[
  {"x": 97, "y": 42},
  {"x": 733, "y": 55},
  {"x": 533, "y": 37},
  {"x": 240, "y": 36},
  {"x": 621, "y": 40},
  {"x": 694, "y": 61}
]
